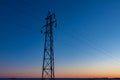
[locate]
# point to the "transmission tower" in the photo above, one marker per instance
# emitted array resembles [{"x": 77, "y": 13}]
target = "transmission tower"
[{"x": 48, "y": 56}]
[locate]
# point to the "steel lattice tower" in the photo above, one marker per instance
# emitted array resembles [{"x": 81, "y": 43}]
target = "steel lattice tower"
[{"x": 48, "y": 56}]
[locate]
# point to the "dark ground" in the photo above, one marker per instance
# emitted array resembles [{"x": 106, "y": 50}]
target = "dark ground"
[{"x": 61, "y": 79}]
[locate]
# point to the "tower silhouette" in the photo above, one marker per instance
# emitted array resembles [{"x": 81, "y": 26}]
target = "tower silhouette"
[{"x": 48, "y": 55}]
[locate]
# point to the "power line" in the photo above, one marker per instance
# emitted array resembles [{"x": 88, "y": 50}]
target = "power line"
[{"x": 92, "y": 45}]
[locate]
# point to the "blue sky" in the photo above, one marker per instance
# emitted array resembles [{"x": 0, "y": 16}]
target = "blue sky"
[{"x": 86, "y": 40}]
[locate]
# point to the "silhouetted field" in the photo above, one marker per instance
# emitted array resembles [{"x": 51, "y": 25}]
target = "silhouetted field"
[{"x": 61, "y": 79}]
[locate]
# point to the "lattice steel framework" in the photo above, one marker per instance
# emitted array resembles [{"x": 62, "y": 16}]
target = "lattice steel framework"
[{"x": 48, "y": 56}]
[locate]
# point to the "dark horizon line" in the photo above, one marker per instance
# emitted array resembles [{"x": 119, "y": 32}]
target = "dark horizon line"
[{"x": 67, "y": 77}]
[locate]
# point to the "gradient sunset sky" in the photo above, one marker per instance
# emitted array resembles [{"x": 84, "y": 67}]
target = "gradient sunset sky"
[{"x": 86, "y": 40}]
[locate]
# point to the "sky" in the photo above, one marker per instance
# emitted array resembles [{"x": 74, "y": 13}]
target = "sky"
[{"x": 86, "y": 40}]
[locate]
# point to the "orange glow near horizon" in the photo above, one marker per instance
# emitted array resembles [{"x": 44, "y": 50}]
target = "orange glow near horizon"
[
  {"x": 89, "y": 75},
  {"x": 63, "y": 72},
  {"x": 70, "y": 74}
]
